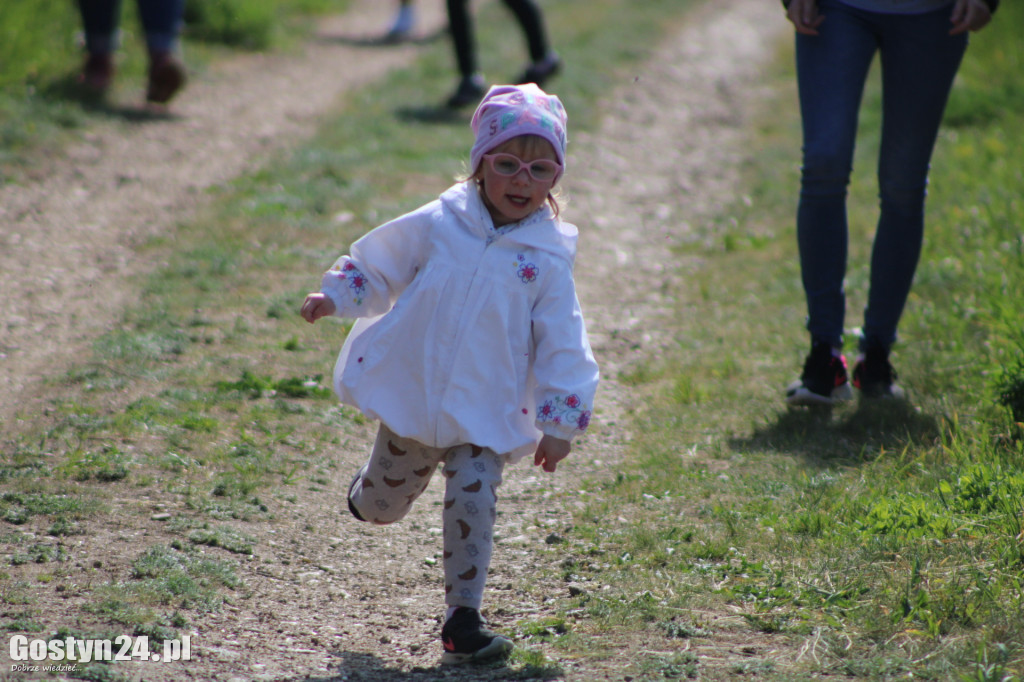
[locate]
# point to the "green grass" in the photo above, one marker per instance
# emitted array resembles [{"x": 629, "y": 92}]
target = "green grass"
[
  {"x": 887, "y": 537},
  {"x": 879, "y": 541}
]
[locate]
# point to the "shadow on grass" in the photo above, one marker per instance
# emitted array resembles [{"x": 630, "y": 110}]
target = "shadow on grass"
[
  {"x": 68, "y": 89},
  {"x": 432, "y": 114},
  {"x": 382, "y": 40},
  {"x": 358, "y": 667},
  {"x": 850, "y": 434}
]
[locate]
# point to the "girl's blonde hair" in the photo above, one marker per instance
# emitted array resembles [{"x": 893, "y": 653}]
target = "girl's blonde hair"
[{"x": 520, "y": 146}]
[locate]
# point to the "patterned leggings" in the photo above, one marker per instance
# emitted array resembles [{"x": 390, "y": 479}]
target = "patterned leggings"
[{"x": 400, "y": 469}]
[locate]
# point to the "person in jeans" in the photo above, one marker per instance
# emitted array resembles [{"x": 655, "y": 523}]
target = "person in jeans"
[
  {"x": 161, "y": 22},
  {"x": 921, "y": 43}
]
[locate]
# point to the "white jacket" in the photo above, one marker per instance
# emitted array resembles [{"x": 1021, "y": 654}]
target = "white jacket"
[{"x": 468, "y": 334}]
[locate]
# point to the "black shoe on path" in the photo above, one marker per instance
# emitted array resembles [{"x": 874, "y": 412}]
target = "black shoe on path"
[
  {"x": 540, "y": 72},
  {"x": 470, "y": 90},
  {"x": 466, "y": 638}
]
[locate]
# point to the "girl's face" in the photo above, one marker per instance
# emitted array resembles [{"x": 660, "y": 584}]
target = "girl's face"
[{"x": 509, "y": 199}]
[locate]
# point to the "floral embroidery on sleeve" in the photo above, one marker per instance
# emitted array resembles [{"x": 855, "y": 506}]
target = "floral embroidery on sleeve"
[
  {"x": 568, "y": 410},
  {"x": 355, "y": 278},
  {"x": 527, "y": 272}
]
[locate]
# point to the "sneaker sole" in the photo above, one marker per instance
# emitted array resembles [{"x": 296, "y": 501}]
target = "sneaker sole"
[
  {"x": 893, "y": 393},
  {"x": 351, "y": 507},
  {"x": 802, "y": 397},
  {"x": 498, "y": 648}
]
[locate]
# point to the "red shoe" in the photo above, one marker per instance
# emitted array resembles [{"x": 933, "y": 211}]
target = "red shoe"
[{"x": 166, "y": 77}]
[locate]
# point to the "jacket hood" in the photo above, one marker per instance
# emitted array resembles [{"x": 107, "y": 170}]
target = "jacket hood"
[{"x": 539, "y": 230}]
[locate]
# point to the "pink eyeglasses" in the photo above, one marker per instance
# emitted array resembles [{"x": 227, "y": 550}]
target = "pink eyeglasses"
[{"x": 541, "y": 170}]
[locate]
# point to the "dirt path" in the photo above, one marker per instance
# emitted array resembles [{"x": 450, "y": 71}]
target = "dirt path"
[{"x": 664, "y": 160}]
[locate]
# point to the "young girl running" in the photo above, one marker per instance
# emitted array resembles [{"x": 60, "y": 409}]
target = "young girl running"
[{"x": 471, "y": 349}]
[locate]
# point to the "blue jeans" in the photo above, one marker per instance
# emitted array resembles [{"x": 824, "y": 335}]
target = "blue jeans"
[
  {"x": 161, "y": 22},
  {"x": 919, "y": 60}
]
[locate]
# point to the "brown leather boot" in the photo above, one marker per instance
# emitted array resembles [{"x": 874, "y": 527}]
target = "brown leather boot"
[
  {"x": 97, "y": 73},
  {"x": 166, "y": 77}
]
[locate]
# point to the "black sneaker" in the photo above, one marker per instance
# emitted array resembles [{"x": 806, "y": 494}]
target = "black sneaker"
[
  {"x": 352, "y": 507},
  {"x": 541, "y": 71},
  {"x": 470, "y": 90},
  {"x": 875, "y": 377},
  {"x": 466, "y": 638},
  {"x": 823, "y": 382}
]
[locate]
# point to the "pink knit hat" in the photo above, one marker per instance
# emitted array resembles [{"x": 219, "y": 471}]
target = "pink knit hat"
[{"x": 509, "y": 111}]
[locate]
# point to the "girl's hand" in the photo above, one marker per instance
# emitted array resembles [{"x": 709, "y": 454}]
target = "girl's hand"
[
  {"x": 805, "y": 17},
  {"x": 969, "y": 15},
  {"x": 550, "y": 452},
  {"x": 316, "y": 306}
]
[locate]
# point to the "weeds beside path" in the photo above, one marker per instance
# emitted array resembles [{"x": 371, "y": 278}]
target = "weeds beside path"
[{"x": 323, "y": 596}]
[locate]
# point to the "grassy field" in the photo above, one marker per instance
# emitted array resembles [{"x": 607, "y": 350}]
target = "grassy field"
[{"x": 888, "y": 537}]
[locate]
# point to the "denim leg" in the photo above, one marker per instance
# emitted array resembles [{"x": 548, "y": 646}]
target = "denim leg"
[
  {"x": 919, "y": 61},
  {"x": 831, "y": 71},
  {"x": 100, "y": 20},
  {"x": 161, "y": 21}
]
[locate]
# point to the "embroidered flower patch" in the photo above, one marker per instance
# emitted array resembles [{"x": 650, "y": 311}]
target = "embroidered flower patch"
[
  {"x": 355, "y": 278},
  {"x": 565, "y": 410},
  {"x": 527, "y": 272}
]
